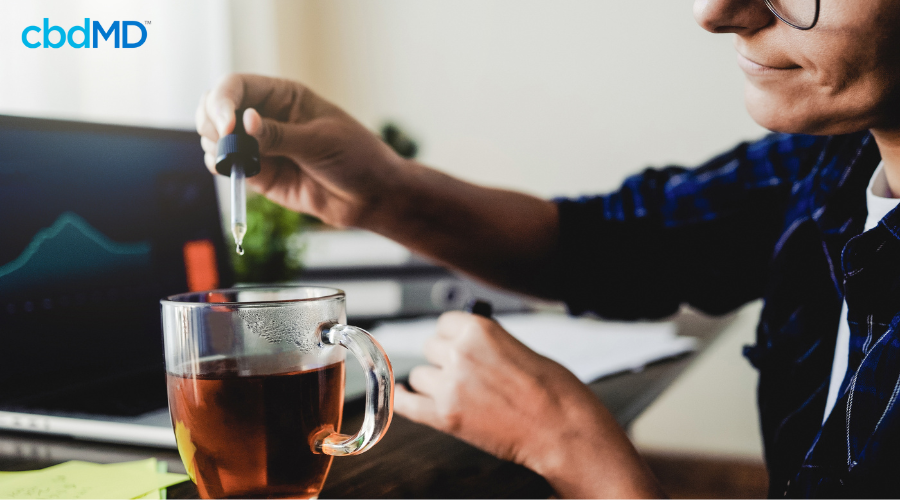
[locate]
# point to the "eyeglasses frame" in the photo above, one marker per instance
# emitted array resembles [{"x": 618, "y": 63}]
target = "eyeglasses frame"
[{"x": 792, "y": 25}]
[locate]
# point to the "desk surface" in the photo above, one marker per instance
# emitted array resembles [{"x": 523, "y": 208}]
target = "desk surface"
[{"x": 411, "y": 461}]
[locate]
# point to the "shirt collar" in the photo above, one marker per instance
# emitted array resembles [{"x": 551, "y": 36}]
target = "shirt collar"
[
  {"x": 878, "y": 185},
  {"x": 879, "y": 200},
  {"x": 891, "y": 221}
]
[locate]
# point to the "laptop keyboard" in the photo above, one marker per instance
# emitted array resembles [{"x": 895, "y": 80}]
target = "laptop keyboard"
[{"x": 125, "y": 397}]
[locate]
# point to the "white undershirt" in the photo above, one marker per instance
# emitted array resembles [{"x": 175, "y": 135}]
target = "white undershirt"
[{"x": 879, "y": 202}]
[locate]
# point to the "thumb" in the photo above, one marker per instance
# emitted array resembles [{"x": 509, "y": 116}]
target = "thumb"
[{"x": 275, "y": 137}]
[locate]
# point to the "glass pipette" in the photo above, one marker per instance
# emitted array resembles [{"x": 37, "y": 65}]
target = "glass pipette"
[
  {"x": 238, "y": 207},
  {"x": 238, "y": 158}
]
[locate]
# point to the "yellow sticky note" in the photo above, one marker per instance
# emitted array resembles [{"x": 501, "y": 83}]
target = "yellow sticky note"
[
  {"x": 160, "y": 494},
  {"x": 86, "y": 480}
]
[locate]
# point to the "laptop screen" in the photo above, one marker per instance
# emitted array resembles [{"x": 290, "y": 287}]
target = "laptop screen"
[{"x": 97, "y": 223}]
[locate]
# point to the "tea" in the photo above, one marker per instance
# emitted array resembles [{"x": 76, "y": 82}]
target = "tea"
[{"x": 251, "y": 436}]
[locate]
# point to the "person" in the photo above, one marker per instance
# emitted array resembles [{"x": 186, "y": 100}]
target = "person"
[{"x": 783, "y": 218}]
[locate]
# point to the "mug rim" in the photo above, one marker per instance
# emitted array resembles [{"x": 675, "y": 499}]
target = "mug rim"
[{"x": 177, "y": 299}]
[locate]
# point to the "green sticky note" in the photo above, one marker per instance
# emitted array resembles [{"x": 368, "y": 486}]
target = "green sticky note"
[{"x": 86, "y": 480}]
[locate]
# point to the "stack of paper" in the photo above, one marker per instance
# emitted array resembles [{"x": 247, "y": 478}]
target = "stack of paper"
[
  {"x": 141, "y": 479},
  {"x": 588, "y": 348}
]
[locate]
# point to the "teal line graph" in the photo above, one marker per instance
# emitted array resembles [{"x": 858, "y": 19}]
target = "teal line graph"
[{"x": 70, "y": 248}]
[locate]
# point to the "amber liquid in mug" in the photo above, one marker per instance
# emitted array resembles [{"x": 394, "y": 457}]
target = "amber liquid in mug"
[{"x": 249, "y": 436}]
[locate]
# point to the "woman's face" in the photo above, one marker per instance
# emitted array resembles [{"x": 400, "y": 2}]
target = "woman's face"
[{"x": 841, "y": 76}]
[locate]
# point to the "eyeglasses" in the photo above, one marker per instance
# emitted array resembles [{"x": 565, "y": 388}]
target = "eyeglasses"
[{"x": 800, "y": 14}]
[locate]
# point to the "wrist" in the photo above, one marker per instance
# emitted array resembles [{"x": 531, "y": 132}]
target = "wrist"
[
  {"x": 408, "y": 203},
  {"x": 383, "y": 209},
  {"x": 588, "y": 455}
]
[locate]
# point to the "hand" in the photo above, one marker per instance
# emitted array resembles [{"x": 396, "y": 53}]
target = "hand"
[
  {"x": 315, "y": 158},
  {"x": 488, "y": 389}
]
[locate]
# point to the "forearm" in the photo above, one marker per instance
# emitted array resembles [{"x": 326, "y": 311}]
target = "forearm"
[{"x": 500, "y": 236}]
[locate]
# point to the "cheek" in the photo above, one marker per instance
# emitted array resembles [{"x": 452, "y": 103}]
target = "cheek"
[
  {"x": 842, "y": 71},
  {"x": 835, "y": 98},
  {"x": 849, "y": 76}
]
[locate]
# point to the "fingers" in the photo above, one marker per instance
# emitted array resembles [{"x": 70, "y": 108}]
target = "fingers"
[
  {"x": 208, "y": 133},
  {"x": 465, "y": 328},
  {"x": 209, "y": 159},
  {"x": 425, "y": 379},
  {"x": 450, "y": 324},
  {"x": 272, "y": 97},
  {"x": 215, "y": 117},
  {"x": 268, "y": 132},
  {"x": 208, "y": 145},
  {"x": 438, "y": 351},
  {"x": 205, "y": 126},
  {"x": 210, "y": 150},
  {"x": 415, "y": 407},
  {"x": 221, "y": 102},
  {"x": 275, "y": 138}
]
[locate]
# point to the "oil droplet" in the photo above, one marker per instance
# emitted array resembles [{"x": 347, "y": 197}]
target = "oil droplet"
[{"x": 239, "y": 229}]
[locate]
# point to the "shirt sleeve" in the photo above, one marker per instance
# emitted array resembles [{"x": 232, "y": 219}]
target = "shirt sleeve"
[{"x": 669, "y": 236}]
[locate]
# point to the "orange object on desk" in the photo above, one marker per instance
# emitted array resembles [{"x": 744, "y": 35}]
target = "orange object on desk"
[{"x": 200, "y": 265}]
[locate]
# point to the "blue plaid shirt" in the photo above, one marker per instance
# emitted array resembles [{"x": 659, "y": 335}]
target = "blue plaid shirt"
[{"x": 781, "y": 219}]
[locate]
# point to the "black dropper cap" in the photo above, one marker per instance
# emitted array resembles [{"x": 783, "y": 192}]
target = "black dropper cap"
[
  {"x": 238, "y": 148},
  {"x": 480, "y": 308}
]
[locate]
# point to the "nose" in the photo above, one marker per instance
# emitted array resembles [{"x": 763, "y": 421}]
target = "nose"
[{"x": 732, "y": 16}]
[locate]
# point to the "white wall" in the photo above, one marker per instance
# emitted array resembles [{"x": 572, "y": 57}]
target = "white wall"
[
  {"x": 711, "y": 408},
  {"x": 550, "y": 97}
]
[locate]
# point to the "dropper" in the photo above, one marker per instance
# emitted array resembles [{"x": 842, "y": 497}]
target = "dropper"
[
  {"x": 238, "y": 158},
  {"x": 238, "y": 207}
]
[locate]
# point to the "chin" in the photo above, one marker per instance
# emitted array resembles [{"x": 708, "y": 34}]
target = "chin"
[
  {"x": 776, "y": 114},
  {"x": 782, "y": 114}
]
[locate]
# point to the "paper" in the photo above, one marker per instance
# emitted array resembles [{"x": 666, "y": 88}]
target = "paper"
[
  {"x": 141, "y": 479},
  {"x": 588, "y": 348},
  {"x": 159, "y": 494}
]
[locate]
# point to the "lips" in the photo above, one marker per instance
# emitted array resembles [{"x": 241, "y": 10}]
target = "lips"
[{"x": 758, "y": 68}]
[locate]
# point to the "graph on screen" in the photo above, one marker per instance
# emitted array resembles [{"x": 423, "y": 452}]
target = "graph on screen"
[{"x": 69, "y": 251}]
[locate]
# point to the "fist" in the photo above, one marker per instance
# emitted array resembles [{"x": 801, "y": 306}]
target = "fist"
[{"x": 490, "y": 390}]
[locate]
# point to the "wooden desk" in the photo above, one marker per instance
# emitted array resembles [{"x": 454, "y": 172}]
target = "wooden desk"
[{"x": 412, "y": 461}]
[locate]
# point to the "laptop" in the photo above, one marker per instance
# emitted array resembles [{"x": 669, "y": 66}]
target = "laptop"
[{"x": 97, "y": 223}]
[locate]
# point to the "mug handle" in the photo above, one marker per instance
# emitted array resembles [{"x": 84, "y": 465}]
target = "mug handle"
[{"x": 379, "y": 391}]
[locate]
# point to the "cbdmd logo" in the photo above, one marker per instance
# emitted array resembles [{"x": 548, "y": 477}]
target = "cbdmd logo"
[{"x": 85, "y": 37}]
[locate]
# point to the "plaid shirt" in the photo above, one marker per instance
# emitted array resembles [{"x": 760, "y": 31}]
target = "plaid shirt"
[{"x": 780, "y": 219}]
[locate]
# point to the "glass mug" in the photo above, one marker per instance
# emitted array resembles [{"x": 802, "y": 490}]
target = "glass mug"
[{"x": 256, "y": 388}]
